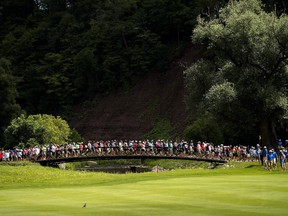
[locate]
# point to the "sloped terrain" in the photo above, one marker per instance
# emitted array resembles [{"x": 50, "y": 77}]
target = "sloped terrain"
[{"x": 130, "y": 115}]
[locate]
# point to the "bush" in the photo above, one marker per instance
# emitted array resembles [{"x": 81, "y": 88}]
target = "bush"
[
  {"x": 36, "y": 129},
  {"x": 161, "y": 130},
  {"x": 74, "y": 136},
  {"x": 205, "y": 129}
]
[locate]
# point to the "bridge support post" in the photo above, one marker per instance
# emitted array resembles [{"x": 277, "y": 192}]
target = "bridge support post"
[
  {"x": 133, "y": 169},
  {"x": 44, "y": 163}
]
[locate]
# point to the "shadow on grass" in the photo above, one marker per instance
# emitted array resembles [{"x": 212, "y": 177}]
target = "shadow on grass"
[{"x": 252, "y": 166}]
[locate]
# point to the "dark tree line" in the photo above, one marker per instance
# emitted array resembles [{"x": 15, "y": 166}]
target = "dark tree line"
[
  {"x": 65, "y": 51},
  {"x": 62, "y": 51}
]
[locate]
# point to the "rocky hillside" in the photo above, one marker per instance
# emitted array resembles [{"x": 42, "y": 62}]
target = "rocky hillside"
[{"x": 132, "y": 114}]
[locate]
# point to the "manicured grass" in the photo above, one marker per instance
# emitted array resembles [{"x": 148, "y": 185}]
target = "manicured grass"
[{"x": 244, "y": 189}]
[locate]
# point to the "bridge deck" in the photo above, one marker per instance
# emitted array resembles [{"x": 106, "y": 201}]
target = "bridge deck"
[{"x": 111, "y": 157}]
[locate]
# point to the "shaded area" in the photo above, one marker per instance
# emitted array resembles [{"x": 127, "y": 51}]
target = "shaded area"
[
  {"x": 132, "y": 114},
  {"x": 116, "y": 169},
  {"x": 51, "y": 162}
]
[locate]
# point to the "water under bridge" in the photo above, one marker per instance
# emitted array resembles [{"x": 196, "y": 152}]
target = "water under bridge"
[{"x": 55, "y": 161}]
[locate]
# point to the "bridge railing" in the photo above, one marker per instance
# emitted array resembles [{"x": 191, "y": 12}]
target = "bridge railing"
[{"x": 104, "y": 152}]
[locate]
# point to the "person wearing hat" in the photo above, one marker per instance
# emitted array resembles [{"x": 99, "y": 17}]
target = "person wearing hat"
[
  {"x": 270, "y": 158},
  {"x": 280, "y": 143}
]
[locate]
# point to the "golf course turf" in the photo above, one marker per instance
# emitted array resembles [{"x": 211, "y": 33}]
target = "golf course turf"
[{"x": 236, "y": 189}]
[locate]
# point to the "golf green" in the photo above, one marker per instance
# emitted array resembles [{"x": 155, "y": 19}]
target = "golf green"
[{"x": 234, "y": 191}]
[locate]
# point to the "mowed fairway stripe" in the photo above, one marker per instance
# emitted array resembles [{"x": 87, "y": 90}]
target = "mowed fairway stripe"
[{"x": 195, "y": 195}]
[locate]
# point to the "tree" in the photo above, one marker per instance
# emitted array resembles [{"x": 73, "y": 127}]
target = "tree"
[
  {"x": 8, "y": 93},
  {"x": 52, "y": 5},
  {"x": 36, "y": 129},
  {"x": 14, "y": 13},
  {"x": 245, "y": 67},
  {"x": 206, "y": 129},
  {"x": 278, "y": 6}
]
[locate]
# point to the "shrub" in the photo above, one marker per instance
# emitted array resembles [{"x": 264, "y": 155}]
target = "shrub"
[
  {"x": 36, "y": 129},
  {"x": 205, "y": 129}
]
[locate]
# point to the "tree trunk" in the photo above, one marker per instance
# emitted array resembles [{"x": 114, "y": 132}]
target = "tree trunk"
[
  {"x": 268, "y": 134},
  {"x": 124, "y": 40},
  {"x": 178, "y": 36}
]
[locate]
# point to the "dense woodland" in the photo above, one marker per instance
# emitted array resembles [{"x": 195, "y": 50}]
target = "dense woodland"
[{"x": 56, "y": 53}]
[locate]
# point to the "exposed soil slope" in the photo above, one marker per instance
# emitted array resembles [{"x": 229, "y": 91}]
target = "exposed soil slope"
[{"x": 132, "y": 114}]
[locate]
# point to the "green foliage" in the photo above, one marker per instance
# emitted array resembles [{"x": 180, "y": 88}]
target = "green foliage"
[
  {"x": 64, "y": 52},
  {"x": 76, "y": 165},
  {"x": 67, "y": 51},
  {"x": 204, "y": 128},
  {"x": 278, "y": 6},
  {"x": 74, "y": 136},
  {"x": 8, "y": 93},
  {"x": 166, "y": 164},
  {"x": 36, "y": 129},
  {"x": 198, "y": 79},
  {"x": 220, "y": 96},
  {"x": 247, "y": 55},
  {"x": 161, "y": 130},
  {"x": 177, "y": 164},
  {"x": 18, "y": 163}
]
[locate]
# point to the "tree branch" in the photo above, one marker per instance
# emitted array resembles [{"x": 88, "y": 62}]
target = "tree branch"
[{"x": 280, "y": 60}]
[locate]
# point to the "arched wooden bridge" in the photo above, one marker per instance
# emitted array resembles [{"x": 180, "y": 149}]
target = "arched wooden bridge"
[{"x": 51, "y": 162}]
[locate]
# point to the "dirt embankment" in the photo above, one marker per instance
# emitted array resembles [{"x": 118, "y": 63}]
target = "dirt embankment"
[{"x": 132, "y": 114}]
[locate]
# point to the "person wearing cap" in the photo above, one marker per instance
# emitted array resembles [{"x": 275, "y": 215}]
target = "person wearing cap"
[
  {"x": 270, "y": 158},
  {"x": 280, "y": 143}
]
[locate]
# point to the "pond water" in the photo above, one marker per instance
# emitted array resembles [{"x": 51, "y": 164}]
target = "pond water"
[{"x": 117, "y": 169}]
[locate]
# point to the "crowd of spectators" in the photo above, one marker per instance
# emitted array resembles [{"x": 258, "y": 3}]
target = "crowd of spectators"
[{"x": 268, "y": 158}]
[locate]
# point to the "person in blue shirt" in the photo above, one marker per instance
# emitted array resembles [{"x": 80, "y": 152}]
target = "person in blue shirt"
[
  {"x": 280, "y": 143},
  {"x": 270, "y": 158},
  {"x": 275, "y": 157},
  {"x": 264, "y": 155}
]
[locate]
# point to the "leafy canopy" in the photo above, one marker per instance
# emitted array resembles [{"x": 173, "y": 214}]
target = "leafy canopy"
[
  {"x": 36, "y": 129},
  {"x": 8, "y": 93},
  {"x": 245, "y": 69}
]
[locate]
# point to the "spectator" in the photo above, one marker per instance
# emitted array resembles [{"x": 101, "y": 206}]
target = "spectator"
[
  {"x": 270, "y": 158},
  {"x": 282, "y": 159},
  {"x": 274, "y": 158},
  {"x": 1, "y": 154},
  {"x": 264, "y": 154},
  {"x": 280, "y": 143}
]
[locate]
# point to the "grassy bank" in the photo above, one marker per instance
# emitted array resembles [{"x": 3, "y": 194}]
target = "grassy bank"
[{"x": 240, "y": 189}]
